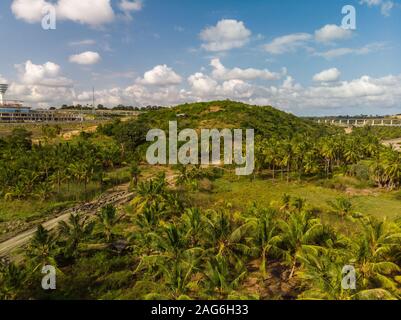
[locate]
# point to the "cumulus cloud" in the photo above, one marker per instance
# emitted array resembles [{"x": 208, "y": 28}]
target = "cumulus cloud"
[
  {"x": 160, "y": 75},
  {"x": 332, "y": 32},
  {"x": 44, "y": 84},
  {"x": 226, "y": 35},
  {"x": 85, "y": 58},
  {"x": 358, "y": 94},
  {"x": 202, "y": 84},
  {"x": 328, "y": 75},
  {"x": 47, "y": 74},
  {"x": 92, "y": 12},
  {"x": 287, "y": 43},
  {"x": 222, "y": 73},
  {"x": 28, "y": 10},
  {"x": 41, "y": 84}
]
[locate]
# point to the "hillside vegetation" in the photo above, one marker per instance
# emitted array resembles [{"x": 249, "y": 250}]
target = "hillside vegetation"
[
  {"x": 267, "y": 121},
  {"x": 319, "y": 199}
]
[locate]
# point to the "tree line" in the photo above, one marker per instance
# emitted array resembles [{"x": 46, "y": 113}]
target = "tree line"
[{"x": 163, "y": 248}]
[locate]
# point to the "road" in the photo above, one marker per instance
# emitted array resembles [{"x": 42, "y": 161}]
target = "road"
[{"x": 116, "y": 198}]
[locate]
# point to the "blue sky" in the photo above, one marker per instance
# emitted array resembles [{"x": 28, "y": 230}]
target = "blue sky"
[{"x": 291, "y": 54}]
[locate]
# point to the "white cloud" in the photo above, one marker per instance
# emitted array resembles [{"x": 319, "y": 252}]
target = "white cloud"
[
  {"x": 28, "y": 10},
  {"x": 227, "y": 34},
  {"x": 202, "y": 84},
  {"x": 42, "y": 96},
  {"x": 85, "y": 58},
  {"x": 203, "y": 87},
  {"x": 92, "y": 12},
  {"x": 47, "y": 74},
  {"x": 160, "y": 75},
  {"x": 332, "y": 32},
  {"x": 41, "y": 84},
  {"x": 385, "y": 6},
  {"x": 220, "y": 72},
  {"x": 338, "y": 52},
  {"x": 328, "y": 75},
  {"x": 359, "y": 88},
  {"x": 129, "y": 6},
  {"x": 287, "y": 43},
  {"x": 44, "y": 84},
  {"x": 354, "y": 96}
]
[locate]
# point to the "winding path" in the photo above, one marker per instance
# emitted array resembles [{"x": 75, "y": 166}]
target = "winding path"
[
  {"x": 90, "y": 208},
  {"x": 117, "y": 196}
]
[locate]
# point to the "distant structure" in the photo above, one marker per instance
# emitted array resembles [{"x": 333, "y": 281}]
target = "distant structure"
[
  {"x": 13, "y": 111},
  {"x": 3, "y": 90},
  {"x": 354, "y": 122}
]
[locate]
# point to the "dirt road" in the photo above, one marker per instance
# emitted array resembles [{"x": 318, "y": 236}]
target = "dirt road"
[{"x": 115, "y": 197}]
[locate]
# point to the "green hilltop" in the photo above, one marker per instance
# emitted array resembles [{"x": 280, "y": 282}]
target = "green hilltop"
[{"x": 266, "y": 120}]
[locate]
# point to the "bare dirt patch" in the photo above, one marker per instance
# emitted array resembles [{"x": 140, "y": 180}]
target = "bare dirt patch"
[
  {"x": 69, "y": 135},
  {"x": 360, "y": 192}
]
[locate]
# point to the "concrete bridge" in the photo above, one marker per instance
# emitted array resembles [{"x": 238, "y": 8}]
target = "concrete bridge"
[{"x": 361, "y": 122}]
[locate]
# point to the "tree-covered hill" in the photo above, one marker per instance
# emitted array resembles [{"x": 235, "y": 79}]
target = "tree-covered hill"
[{"x": 267, "y": 121}]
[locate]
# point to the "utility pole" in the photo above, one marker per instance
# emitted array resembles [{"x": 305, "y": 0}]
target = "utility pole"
[{"x": 93, "y": 99}]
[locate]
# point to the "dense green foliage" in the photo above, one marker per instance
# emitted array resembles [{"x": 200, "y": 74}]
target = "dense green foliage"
[
  {"x": 174, "y": 251},
  {"x": 37, "y": 170},
  {"x": 383, "y": 133},
  {"x": 359, "y": 154},
  {"x": 267, "y": 121},
  {"x": 163, "y": 246}
]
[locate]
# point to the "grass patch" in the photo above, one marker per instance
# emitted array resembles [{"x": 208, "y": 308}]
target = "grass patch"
[{"x": 241, "y": 193}]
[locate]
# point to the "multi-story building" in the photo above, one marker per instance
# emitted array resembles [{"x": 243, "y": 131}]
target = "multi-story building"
[{"x": 15, "y": 112}]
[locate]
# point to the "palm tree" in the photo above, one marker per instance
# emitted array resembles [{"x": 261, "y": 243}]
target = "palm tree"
[
  {"x": 75, "y": 231},
  {"x": 108, "y": 219},
  {"x": 285, "y": 203},
  {"x": 43, "y": 191},
  {"x": 150, "y": 192},
  {"x": 287, "y": 158},
  {"x": 227, "y": 238},
  {"x": 323, "y": 276},
  {"x": 329, "y": 151},
  {"x": 342, "y": 207},
  {"x": 42, "y": 248},
  {"x": 298, "y": 204},
  {"x": 297, "y": 236},
  {"x": 373, "y": 262},
  {"x": 135, "y": 172},
  {"x": 12, "y": 280},
  {"x": 220, "y": 276},
  {"x": 266, "y": 231},
  {"x": 194, "y": 225}
]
